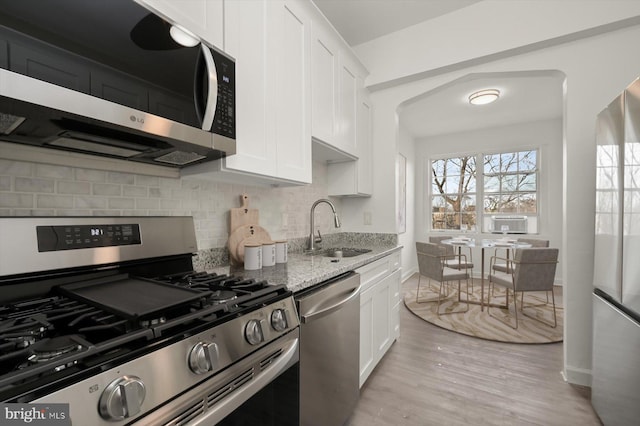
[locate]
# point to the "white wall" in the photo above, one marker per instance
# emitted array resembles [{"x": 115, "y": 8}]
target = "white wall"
[
  {"x": 545, "y": 135},
  {"x": 597, "y": 69},
  {"x": 408, "y": 258}
]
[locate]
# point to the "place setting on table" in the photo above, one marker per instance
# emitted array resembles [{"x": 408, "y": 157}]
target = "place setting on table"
[{"x": 464, "y": 311}]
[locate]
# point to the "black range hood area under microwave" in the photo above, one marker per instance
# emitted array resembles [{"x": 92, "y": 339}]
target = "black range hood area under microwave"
[{"x": 105, "y": 78}]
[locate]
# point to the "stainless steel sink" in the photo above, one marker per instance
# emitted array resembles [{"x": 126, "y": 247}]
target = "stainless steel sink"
[{"x": 344, "y": 252}]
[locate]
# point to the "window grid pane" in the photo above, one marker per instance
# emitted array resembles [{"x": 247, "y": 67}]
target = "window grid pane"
[
  {"x": 453, "y": 186},
  {"x": 509, "y": 186}
]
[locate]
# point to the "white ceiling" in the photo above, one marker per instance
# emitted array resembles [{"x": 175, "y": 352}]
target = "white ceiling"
[
  {"x": 525, "y": 96},
  {"x": 529, "y": 96},
  {"x": 359, "y": 21}
]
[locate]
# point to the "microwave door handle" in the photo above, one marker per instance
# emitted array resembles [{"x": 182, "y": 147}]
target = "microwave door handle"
[{"x": 212, "y": 95}]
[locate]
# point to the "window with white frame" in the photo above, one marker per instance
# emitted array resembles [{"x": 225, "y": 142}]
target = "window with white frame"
[
  {"x": 508, "y": 187},
  {"x": 453, "y": 193}
]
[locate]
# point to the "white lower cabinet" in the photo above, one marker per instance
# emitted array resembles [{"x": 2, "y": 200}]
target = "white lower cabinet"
[{"x": 379, "y": 308}]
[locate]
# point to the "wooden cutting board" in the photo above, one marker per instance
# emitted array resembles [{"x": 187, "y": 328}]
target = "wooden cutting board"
[
  {"x": 243, "y": 235},
  {"x": 243, "y": 215}
]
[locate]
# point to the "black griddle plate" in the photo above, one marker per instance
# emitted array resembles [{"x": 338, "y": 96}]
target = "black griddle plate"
[{"x": 131, "y": 297}]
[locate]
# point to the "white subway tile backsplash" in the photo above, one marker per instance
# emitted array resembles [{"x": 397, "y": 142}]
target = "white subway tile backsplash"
[
  {"x": 16, "y": 168},
  {"x": 90, "y": 203},
  {"x": 81, "y": 188},
  {"x": 54, "y": 201},
  {"x": 160, "y": 192},
  {"x": 170, "y": 183},
  {"x": 135, "y": 191},
  {"x": 147, "y": 204},
  {"x": 34, "y": 212},
  {"x": 74, "y": 212},
  {"x": 32, "y": 190},
  {"x": 5, "y": 183},
  {"x": 122, "y": 203},
  {"x": 54, "y": 172},
  {"x": 16, "y": 200},
  {"x": 91, "y": 175},
  {"x": 121, "y": 178},
  {"x": 148, "y": 181},
  {"x": 169, "y": 204},
  {"x": 107, "y": 189},
  {"x": 28, "y": 184}
]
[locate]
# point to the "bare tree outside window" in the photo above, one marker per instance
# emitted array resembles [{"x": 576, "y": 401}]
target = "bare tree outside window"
[
  {"x": 510, "y": 183},
  {"x": 453, "y": 201},
  {"x": 509, "y": 186}
]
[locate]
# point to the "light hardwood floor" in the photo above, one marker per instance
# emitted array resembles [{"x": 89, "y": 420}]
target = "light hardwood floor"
[{"x": 432, "y": 376}]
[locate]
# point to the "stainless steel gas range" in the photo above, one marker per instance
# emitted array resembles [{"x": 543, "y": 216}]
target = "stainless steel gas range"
[{"x": 106, "y": 314}]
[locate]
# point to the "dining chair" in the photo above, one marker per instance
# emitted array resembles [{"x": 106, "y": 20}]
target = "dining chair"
[
  {"x": 502, "y": 266},
  {"x": 453, "y": 260},
  {"x": 432, "y": 264},
  {"x": 532, "y": 269}
]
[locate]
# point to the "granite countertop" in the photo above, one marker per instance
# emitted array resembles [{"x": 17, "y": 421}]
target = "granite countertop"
[{"x": 303, "y": 271}]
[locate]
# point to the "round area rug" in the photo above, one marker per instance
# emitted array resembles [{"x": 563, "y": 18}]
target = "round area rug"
[{"x": 479, "y": 324}]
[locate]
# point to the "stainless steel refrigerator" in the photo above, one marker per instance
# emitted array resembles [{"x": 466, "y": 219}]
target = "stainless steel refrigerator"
[{"x": 615, "y": 391}]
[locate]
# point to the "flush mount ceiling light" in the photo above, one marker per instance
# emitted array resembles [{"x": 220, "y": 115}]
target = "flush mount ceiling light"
[
  {"x": 484, "y": 97},
  {"x": 183, "y": 37}
]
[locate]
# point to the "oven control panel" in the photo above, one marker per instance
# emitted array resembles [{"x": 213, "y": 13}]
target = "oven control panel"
[{"x": 71, "y": 237}]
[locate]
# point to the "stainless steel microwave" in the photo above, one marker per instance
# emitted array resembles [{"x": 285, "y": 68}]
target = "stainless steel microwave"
[{"x": 107, "y": 78}]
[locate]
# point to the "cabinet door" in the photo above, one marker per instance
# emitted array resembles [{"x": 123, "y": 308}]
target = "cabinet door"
[
  {"x": 367, "y": 361},
  {"x": 394, "y": 303},
  {"x": 246, "y": 40},
  {"x": 291, "y": 54},
  {"x": 354, "y": 178},
  {"x": 324, "y": 85},
  {"x": 204, "y": 18},
  {"x": 348, "y": 104},
  {"x": 364, "y": 148},
  {"x": 381, "y": 319}
]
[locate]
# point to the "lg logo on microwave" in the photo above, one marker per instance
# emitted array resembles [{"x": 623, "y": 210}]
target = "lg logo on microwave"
[{"x": 136, "y": 119}]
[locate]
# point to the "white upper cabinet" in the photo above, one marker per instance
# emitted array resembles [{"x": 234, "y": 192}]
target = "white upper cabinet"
[
  {"x": 324, "y": 86},
  {"x": 354, "y": 178},
  {"x": 290, "y": 54},
  {"x": 204, "y": 18},
  {"x": 334, "y": 90},
  {"x": 246, "y": 40},
  {"x": 270, "y": 41}
]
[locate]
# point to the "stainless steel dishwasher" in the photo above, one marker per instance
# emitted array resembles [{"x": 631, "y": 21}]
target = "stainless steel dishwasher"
[{"x": 329, "y": 351}]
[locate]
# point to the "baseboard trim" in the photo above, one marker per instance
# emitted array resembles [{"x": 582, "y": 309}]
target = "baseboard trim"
[{"x": 577, "y": 376}]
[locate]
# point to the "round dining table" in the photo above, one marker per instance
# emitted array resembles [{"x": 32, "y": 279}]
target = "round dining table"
[{"x": 485, "y": 243}]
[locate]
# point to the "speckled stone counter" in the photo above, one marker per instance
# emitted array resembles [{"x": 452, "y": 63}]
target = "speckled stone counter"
[{"x": 303, "y": 271}]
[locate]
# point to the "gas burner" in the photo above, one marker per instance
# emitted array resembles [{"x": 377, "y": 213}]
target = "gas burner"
[
  {"x": 49, "y": 349},
  {"x": 246, "y": 285},
  {"x": 222, "y": 296}
]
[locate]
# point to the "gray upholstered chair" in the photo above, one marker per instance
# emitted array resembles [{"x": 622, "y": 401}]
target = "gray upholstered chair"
[
  {"x": 533, "y": 269},
  {"x": 431, "y": 264},
  {"x": 502, "y": 266},
  {"x": 452, "y": 260}
]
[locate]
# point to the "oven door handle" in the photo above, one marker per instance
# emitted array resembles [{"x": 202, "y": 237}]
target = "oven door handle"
[
  {"x": 225, "y": 407},
  {"x": 306, "y": 319}
]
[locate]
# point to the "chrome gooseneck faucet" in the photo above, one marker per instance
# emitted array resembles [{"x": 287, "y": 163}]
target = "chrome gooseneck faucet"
[{"x": 312, "y": 239}]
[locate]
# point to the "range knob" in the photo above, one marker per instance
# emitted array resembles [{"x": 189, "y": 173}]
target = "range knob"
[
  {"x": 279, "y": 320},
  {"x": 253, "y": 332},
  {"x": 203, "y": 357},
  {"x": 122, "y": 398}
]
